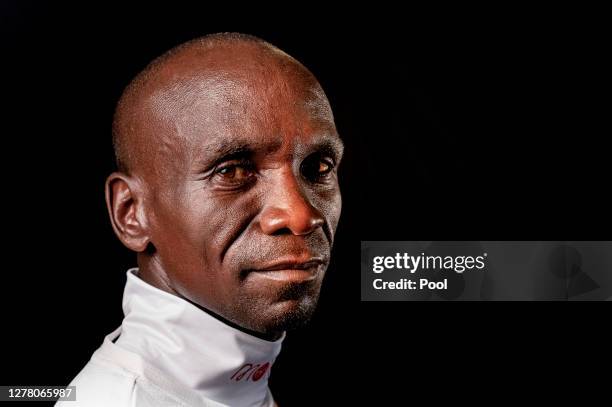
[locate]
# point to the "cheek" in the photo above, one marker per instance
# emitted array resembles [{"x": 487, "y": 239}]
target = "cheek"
[
  {"x": 192, "y": 234},
  {"x": 330, "y": 204},
  {"x": 180, "y": 226},
  {"x": 219, "y": 220}
]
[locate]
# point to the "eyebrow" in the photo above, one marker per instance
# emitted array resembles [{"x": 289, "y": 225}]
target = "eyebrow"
[{"x": 230, "y": 147}]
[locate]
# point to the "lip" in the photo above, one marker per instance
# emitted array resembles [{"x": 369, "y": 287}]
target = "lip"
[{"x": 290, "y": 270}]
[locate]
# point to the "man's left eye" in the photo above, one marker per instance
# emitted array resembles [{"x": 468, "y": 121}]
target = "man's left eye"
[{"x": 315, "y": 168}]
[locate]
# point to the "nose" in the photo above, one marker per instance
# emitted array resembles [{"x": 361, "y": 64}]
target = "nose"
[{"x": 288, "y": 209}]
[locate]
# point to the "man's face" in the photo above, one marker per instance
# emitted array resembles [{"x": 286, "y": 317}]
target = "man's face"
[{"x": 242, "y": 193}]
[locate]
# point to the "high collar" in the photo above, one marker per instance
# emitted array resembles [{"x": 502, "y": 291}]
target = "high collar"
[{"x": 215, "y": 360}]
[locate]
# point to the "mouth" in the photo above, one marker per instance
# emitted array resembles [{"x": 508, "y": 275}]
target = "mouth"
[{"x": 290, "y": 270}]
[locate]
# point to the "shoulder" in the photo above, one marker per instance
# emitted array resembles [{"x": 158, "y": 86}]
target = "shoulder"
[
  {"x": 116, "y": 378},
  {"x": 102, "y": 384}
]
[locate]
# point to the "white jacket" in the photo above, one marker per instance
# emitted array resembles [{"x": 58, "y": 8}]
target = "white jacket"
[{"x": 168, "y": 352}]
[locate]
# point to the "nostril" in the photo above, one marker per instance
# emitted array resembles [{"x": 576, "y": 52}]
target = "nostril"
[
  {"x": 282, "y": 231},
  {"x": 305, "y": 222},
  {"x": 295, "y": 220}
]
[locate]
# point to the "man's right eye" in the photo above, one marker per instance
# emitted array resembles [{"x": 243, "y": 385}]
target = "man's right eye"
[{"x": 234, "y": 173}]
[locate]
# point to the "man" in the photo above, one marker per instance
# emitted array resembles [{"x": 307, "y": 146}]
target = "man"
[{"x": 227, "y": 190}]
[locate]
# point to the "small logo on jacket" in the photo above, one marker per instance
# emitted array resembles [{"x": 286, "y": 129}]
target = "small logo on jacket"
[{"x": 250, "y": 371}]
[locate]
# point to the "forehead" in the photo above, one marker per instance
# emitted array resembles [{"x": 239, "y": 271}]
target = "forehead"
[{"x": 263, "y": 106}]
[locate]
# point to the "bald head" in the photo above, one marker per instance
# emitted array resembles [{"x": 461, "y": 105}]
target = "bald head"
[{"x": 229, "y": 78}]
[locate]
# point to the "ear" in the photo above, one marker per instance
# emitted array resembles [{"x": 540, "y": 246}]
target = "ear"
[{"x": 125, "y": 203}]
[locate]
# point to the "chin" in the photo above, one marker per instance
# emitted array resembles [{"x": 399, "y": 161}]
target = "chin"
[
  {"x": 280, "y": 309},
  {"x": 291, "y": 314}
]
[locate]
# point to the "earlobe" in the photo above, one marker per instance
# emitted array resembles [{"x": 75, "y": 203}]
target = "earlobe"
[{"x": 124, "y": 201}]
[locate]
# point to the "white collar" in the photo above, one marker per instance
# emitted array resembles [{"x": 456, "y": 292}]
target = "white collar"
[{"x": 215, "y": 360}]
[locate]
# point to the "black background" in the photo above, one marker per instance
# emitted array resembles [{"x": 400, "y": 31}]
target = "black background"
[{"x": 455, "y": 129}]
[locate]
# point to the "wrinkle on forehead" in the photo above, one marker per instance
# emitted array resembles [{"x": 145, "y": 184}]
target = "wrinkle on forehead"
[
  {"x": 223, "y": 106},
  {"x": 238, "y": 92},
  {"x": 178, "y": 102}
]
